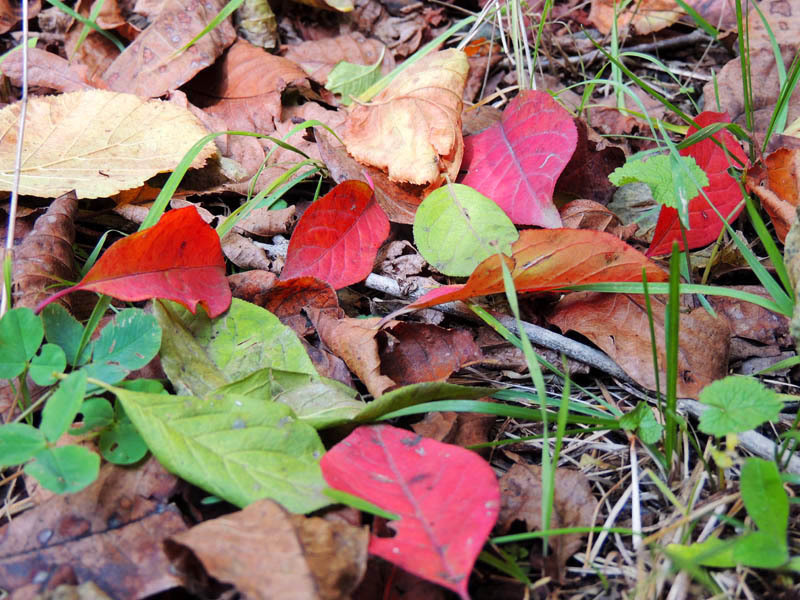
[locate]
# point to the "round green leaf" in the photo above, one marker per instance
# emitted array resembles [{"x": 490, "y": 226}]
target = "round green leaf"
[
  {"x": 97, "y": 412},
  {"x": 456, "y": 228},
  {"x": 121, "y": 444},
  {"x": 18, "y": 443},
  {"x": 737, "y": 404},
  {"x": 51, "y": 358},
  {"x": 21, "y": 332},
  {"x": 66, "y": 469}
]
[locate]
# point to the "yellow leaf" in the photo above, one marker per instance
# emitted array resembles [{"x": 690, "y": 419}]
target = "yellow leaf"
[
  {"x": 413, "y": 127},
  {"x": 95, "y": 142}
]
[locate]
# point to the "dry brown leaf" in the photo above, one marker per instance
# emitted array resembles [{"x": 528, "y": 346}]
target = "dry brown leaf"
[
  {"x": 11, "y": 13},
  {"x": 110, "y": 533},
  {"x": 643, "y": 16},
  {"x": 783, "y": 17},
  {"x": 46, "y": 69},
  {"x": 318, "y": 57},
  {"x": 461, "y": 429},
  {"x": 95, "y": 52},
  {"x": 413, "y": 127},
  {"x": 618, "y": 324},
  {"x": 587, "y": 214},
  {"x": 95, "y": 142},
  {"x": 573, "y": 506},
  {"x": 720, "y": 13},
  {"x": 338, "y": 5},
  {"x": 267, "y": 553},
  {"x": 751, "y": 322},
  {"x": 151, "y": 66},
  {"x": 242, "y": 252},
  {"x": 266, "y": 223},
  {"x": 252, "y": 285},
  {"x": 777, "y": 186},
  {"x": 605, "y": 117},
  {"x": 353, "y": 340},
  {"x": 45, "y": 255}
]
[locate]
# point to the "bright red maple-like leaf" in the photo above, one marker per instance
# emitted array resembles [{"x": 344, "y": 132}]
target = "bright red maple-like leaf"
[
  {"x": 517, "y": 161},
  {"x": 447, "y": 497},
  {"x": 722, "y": 190},
  {"x": 551, "y": 259},
  {"x": 337, "y": 238},
  {"x": 179, "y": 258}
]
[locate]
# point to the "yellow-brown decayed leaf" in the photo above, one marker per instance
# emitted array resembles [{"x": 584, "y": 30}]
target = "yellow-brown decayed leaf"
[
  {"x": 339, "y": 5},
  {"x": 645, "y": 16},
  {"x": 95, "y": 142},
  {"x": 413, "y": 127}
]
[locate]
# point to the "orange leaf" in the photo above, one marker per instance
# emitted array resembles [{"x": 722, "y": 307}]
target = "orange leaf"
[{"x": 179, "y": 259}]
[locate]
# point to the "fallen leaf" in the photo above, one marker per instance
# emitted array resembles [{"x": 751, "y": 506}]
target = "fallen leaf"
[
  {"x": 242, "y": 252},
  {"x": 46, "y": 69},
  {"x": 783, "y": 18},
  {"x": 618, "y": 324},
  {"x": 461, "y": 429},
  {"x": 338, "y": 5},
  {"x": 110, "y": 533},
  {"x": 45, "y": 255},
  {"x": 178, "y": 259},
  {"x": 516, "y": 162},
  {"x": 92, "y": 51},
  {"x": 550, "y": 259},
  {"x": 574, "y": 505},
  {"x": 447, "y": 497},
  {"x": 152, "y": 65},
  {"x": 337, "y": 238},
  {"x": 95, "y": 142},
  {"x": 644, "y": 16},
  {"x": 265, "y": 222},
  {"x": 318, "y": 57},
  {"x": 267, "y": 553},
  {"x": 251, "y": 286},
  {"x": 777, "y": 186},
  {"x": 587, "y": 214},
  {"x": 607, "y": 117},
  {"x": 288, "y": 299},
  {"x": 11, "y": 13},
  {"x": 720, "y": 13},
  {"x": 417, "y": 352},
  {"x": 722, "y": 190},
  {"x": 413, "y": 127}
]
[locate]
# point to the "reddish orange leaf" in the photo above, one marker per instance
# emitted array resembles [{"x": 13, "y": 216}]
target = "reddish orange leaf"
[
  {"x": 337, "y": 238},
  {"x": 777, "y": 184},
  {"x": 550, "y": 259},
  {"x": 178, "y": 259}
]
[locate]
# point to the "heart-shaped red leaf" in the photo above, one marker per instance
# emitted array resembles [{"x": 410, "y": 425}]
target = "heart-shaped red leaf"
[
  {"x": 722, "y": 190},
  {"x": 551, "y": 259},
  {"x": 337, "y": 238},
  {"x": 447, "y": 497},
  {"x": 179, "y": 259},
  {"x": 517, "y": 161}
]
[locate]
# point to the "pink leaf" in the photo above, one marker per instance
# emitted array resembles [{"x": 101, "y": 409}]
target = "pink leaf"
[
  {"x": 337, "y": 238},
  {"x": 448, "y": 499},
  {"x": 516, "y": 162}
]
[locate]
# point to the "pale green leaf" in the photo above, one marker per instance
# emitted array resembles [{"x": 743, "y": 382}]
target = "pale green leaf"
[
  {"x": 349, "y": 79},
  {"x": 64, "y": 469},
  {"x": 737, "y": 404},
  {"x": 18, "y": 443},
  {"x": 417, "y": 393},
  {"x": 667, "y": 183},
  {"x": 764, "y": 497},
  {"x": 21, "y": 332}
]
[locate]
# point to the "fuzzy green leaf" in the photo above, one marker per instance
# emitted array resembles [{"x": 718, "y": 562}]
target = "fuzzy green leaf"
[
  {"x": 667, "y": 182},
  {"x": 737, "y": 404}
]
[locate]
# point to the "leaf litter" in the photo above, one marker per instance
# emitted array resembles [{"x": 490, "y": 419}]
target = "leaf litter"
[{"x": 266, "y": 382}]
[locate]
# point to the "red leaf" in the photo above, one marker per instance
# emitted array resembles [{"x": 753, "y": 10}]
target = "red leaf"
[
  {"x": 722, "y": 190},
  {"x": 551, "y": 259},
  {"x": 517, "y": 161},
  {"x": 448, "y": 499},
  {"x": 179, "y": 259},
  {"x": 337, "y": 238}
]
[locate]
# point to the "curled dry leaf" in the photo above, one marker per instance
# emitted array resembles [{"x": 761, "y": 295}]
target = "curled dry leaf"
[
  {"x": 777, "y": 186},
  {"x": 573, "y": 506},
  {"x": 618, "y": 324},
  {"x": 288, "y": 299},
  {"x": 413, "y": 127},
  {"x": 152, "y": 66},
  {"x": 318, "y": 57},
  {"x": 587, "y": 214},
  {"x": 45, "y": 255},
  {"x": 265, "y": 552},
  {"x": 95, "y": 142},
  {"x": 645, "y": 16}
]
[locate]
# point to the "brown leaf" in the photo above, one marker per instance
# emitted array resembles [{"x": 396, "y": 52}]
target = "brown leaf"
[
  {"x": 288, "y": 299},
  {"x": 777, "y": 186},
  {"x": 606, "y": 117},
  {"x": 646, "y": 16},
  {"x": 618, "y": 324},
  {"x": 573, "y": 506},
  {"x": 319, "y": 57},
  {"x": 11, "y": 13},
  {"x": 46, "y": 69},
  {"x": 461, "y": 429},
  {"x": 96, "y": 53},
  {"x": 150, "y": 67},
  {"x": 587, "y": 214},
  {"x": 251, "y": 285},
  {"x": 413, "y": 127},
  {"x": 750, "y": 321},
  {"x": 353, "y": 340},
  {"x": 45, "y": 255},
  {"x": 720, "y": 13},
  {"x": 417, "y": 352},
  {"x": 267, "y": 553},
  {"x": 783, "y": 17},
  {"x": 242, "y": 252},
  {"x": 266, "y": 223},
  {"x": 110, "y": 533}
]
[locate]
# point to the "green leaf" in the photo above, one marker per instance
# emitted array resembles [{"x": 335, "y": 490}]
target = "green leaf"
[
  {"x": 66, "y": 469},
  {"x": 235, "y": 447},
  {"x": 97, "y": 412},
  {"x": 60, "y": 410},
  {"x": 21, "y": 334},
  {"x": 764, "y": 497},
  {"x": 19, "y": 443},
  {"x": 62, "y": 329},
  {"x": 121, "y": 443},
  {"x": 642, "y": 420},
  {"x": 737, "y": 404},
  {"x": 659, "y": 173},
  {"x": 762, "y": 550},
  {"x": 456, "y": 228},
  {"x": 243, "y": 340},
  {"x": 350, "y": 80},
  {"x": 713, "y": 552},
  {"x": 417, "y": 393},
  {"x": 50, "y": 359},
  {"x": 128, "y": 343}
]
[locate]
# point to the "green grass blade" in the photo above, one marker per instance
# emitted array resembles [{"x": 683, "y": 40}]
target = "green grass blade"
[
  {"x": 226, "y": 11},
  {"x": 89, "y": 23},
  {"x": 698, "y": 19},
  {"x": 671, "y": 328}
]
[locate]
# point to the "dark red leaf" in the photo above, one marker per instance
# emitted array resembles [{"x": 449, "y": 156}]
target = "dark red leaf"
[
  {"x": 448, "y": 499},
  {"x": 516, "y": 162},
  {"x": 337, "y": 238},
  {"x": 178, "y": 259},
  {"x": 722, "y": 190}
]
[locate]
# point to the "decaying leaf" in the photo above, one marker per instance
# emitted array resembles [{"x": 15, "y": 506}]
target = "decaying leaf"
[
  {"x": 644, "y": 16},
  {"x": 587, "y": 214},
  {"x": 95, "y": 142},
  {"x": 413, "y": 127},
  {"x": 777, "y": 186},
  {"x": 319, "y": 57},
  {"x": 11, "y": 13},
  {"x": 46, "y": 69}
]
